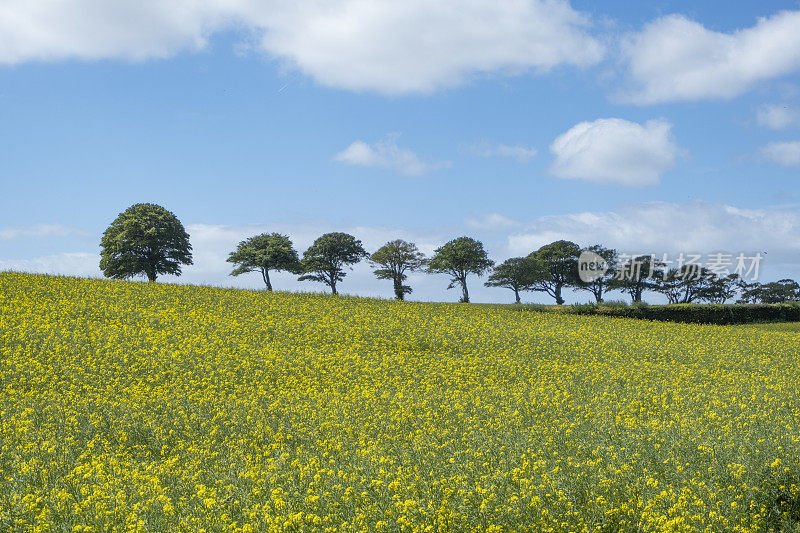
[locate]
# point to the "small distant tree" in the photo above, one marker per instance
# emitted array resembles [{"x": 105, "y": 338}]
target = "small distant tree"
[
  {"x": 600, "y": 286},
  {"x": 459, "y": 258},
  {"x": 722, "y": 289},
  {"x": 558, "y": 268},
  {"x": 326, "y": 259},
  {"x": 750, "y": 293},
  {"x": 639, "y": 274},
  {"x": 393, "y": 260},
  {"x": 262, "y": 253},
  {"x": 517, "y": 274},
  {"x": 781, "y": 291},
  {"x": 145, "y": 239},
  {"x": 686, "y": 284}
]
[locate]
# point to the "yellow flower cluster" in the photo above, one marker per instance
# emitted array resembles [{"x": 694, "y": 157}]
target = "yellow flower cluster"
[{"x": 149, "y": 407}]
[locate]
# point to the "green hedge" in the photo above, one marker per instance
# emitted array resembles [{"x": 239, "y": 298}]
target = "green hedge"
[{"x": 704, "y": 314}]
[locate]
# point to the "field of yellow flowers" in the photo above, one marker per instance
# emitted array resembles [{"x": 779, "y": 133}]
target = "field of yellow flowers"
[{"x": 150, "y": 407}]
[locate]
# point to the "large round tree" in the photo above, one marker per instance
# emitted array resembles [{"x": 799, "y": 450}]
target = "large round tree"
[{"x": 145, "y": 239}]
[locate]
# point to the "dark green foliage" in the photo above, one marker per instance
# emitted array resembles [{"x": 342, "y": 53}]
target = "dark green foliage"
[
  {"x": 145, "y": 239},
  {"x": 686, "y": 284},
  {"x": 722, "y": 289},
  {"x": 517, "y": 274},
  {"x": 599, "y": 286},
  {"x": 691, "y": 313},
  {"x": 262, "y": 253},
  {"x": 784, "y": 290},
  {"x": 640, "y": 274},
  {"x": 325, "y": 260},
  {"x": 781, "y": 503},
  {"x": 458, "y": 258},
  {"x": 393, "y": 260},
  {"x": 583, "y": 309},
  {"x": 557, "y": 268}
]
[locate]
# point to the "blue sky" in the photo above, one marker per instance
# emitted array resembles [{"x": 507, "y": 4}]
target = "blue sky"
[{"x": 653, "y": 127}]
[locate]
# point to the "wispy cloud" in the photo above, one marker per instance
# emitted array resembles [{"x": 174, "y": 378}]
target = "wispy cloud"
[
  {"x": 386, "y": 154},
  {"x": 778, "y": 116},
  {"x": 520, "y": 153},
  {"x": 786, "y": 154},
  {"x": 492, "y": 221},
  {"x": 70, "y": 263},
  {"x": 39, "y": 230}
]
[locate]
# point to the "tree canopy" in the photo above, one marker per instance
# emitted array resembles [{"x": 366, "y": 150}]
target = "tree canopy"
[
  {"x": 687, "y": 284},
  {"x": 325, "y": 260},
  {"x": 781, "y": 291},
  {"x": 262, "y": 253},
  {"x": 557, "y": 268},
  {"x": 516, "y": 273},
  {"x": 145, "y": 239},
  {"x": 639, "y": 274},
  {"x": 393, "y": 260},
  {"x": 600, "y": 284},
  {"x": 458, "y": 258}
]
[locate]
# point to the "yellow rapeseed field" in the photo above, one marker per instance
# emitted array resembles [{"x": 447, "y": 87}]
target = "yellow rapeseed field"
[{"x": 150, "y": 407}]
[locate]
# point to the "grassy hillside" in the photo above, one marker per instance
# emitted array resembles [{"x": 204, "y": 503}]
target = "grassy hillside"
[{"x": 155, "y": 407}]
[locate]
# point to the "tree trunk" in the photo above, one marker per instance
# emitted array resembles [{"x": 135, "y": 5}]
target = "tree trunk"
[
  {"x": 398, "y": 289},
  {"x": 151, "y": 275},
  {"x": 637, "y": 294},
  {"x": 464, "y": 291},
  {"x": 598, "y": 293},
  {"x": 516, "y": 294},
  {"x": 559, "y": 299},
  {"x": 265, "y": 275}
]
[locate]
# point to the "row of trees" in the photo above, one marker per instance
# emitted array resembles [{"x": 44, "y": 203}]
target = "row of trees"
[
  {"x": 147, "y": 239},
  {"x": 327, "y": 259}
]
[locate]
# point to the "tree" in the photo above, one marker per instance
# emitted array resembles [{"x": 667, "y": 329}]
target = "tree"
[
  {"x": 393, "y": 260},
  {"x": 458, "y": 258},
  {"x": 781, "y": 291},
  {"x": 637, "y": 275},
  {"x": 144, "y": 239},
  {"x": 686, "y": 284},
  {"x": 325, "y": 260},
  {"x": 517, "y": 274},
  {"x": 722, "y": 289},
  {"x": 262, "y": 253},
  {"x": 558, "y": 268},
  {"x": 600, "y": 285}
]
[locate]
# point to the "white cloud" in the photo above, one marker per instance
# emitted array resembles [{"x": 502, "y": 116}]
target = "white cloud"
[
  {"x": 386, "y": 154},
  {"x": 71, "y": 263},
  {"x": 615, "y": 151},
  {"x": 783, "y": 153},
  {"x": 39, "y": 230},
  {"x": 778, "y": 116},
  {"x": 97, "y": 29},
  {"x": 518, "y": 152},
  {"x": 381, "y": 45},
  {"x": 675, "y": 59},
  {"x": 493, "y": 221},
  {"x": 661, "y": 227}
]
